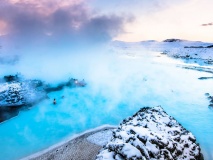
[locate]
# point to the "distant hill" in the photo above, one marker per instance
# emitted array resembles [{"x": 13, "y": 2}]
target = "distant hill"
[{"x": 173, "y": 40}]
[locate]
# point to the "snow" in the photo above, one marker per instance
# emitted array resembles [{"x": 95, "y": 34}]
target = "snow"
[
  {"x": 190, "y": 51},
  {"x": 19, "y": 93},
  {"x": 5, "y": 86},
  {"x": 7, "y": 91},
  {"x": 100, "y": 138},
  {"x": 164, "y": 139}
]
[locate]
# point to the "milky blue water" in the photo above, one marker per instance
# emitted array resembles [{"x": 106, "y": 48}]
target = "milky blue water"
[{"x": 116, "y": 89}]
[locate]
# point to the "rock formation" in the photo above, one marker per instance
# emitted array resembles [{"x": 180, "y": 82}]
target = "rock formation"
[
  {"x": 151, "y": 134},
  {"x": 17, "y": 92}
]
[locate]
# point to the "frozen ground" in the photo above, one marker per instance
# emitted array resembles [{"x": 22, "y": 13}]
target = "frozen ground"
[
  {"x": 100, "y": 138},
  {"x": 119, "y": 84},
  {"x": 193, "y": 55},
  {"x": 194, "y": 52}
]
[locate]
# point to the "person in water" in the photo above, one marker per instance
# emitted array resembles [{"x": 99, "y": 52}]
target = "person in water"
[{"x": 54, "y": 101}]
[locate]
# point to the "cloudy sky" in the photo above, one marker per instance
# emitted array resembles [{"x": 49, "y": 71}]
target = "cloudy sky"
[{"x": 102, "y": 20}]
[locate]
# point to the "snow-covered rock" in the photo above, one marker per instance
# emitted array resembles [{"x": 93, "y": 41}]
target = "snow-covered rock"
[
  {"x": 17, "y": 92},
  {"x": 151, "y": 134},
  {"x": 14, "y": 94}
]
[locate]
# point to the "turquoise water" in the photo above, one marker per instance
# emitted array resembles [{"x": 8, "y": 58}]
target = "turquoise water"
[{"x": 116, "y": 89}]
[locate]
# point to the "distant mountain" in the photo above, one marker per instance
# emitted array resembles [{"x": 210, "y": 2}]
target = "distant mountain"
[
  {"x": 149, "y": 41},
  {"x": 173, "y": 40}
]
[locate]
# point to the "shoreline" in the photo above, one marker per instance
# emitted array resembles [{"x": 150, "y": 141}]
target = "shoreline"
[{"x": 71, "y": 145}]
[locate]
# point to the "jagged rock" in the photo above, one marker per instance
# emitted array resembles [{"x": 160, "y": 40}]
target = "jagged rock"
[
  {"x": 210, "y": 46},
  {"x": 11, "y": 78},
  {"x": 20, "y": 93},
  {"x": 17, "y": 91},
  {"x": 151, "y": 134}
]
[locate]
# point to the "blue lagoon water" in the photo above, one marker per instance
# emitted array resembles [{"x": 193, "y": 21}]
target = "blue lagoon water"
[{"x": 116, "y": 89}]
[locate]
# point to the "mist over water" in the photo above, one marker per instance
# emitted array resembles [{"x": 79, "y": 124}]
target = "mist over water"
[
  {"x": 69, "y": 39},
  {"x": 119, "y": 82}
]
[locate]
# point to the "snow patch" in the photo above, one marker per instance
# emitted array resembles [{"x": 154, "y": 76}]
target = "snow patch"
[{"x": 100, "y": 138}]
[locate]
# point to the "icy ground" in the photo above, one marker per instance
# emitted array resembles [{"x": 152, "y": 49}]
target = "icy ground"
[
  {"x": 101, "y": 138},
  {"x": 151, "y": 134},
  {"x": 118, "y": 84}
]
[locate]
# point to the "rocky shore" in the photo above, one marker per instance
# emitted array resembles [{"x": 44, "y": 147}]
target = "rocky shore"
[
  {"x": 17, "y": 93},
  {"x": 151, "y": 134}
]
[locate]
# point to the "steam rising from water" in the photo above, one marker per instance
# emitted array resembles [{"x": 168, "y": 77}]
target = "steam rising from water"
[
  {"x": 55, "y": 41},
  {"x": 120, "y": 81}
]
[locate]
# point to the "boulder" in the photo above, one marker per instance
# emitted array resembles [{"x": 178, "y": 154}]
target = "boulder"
[
  {"x": 151, "y": 134},
  {"x": 20, "y": 93}
]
